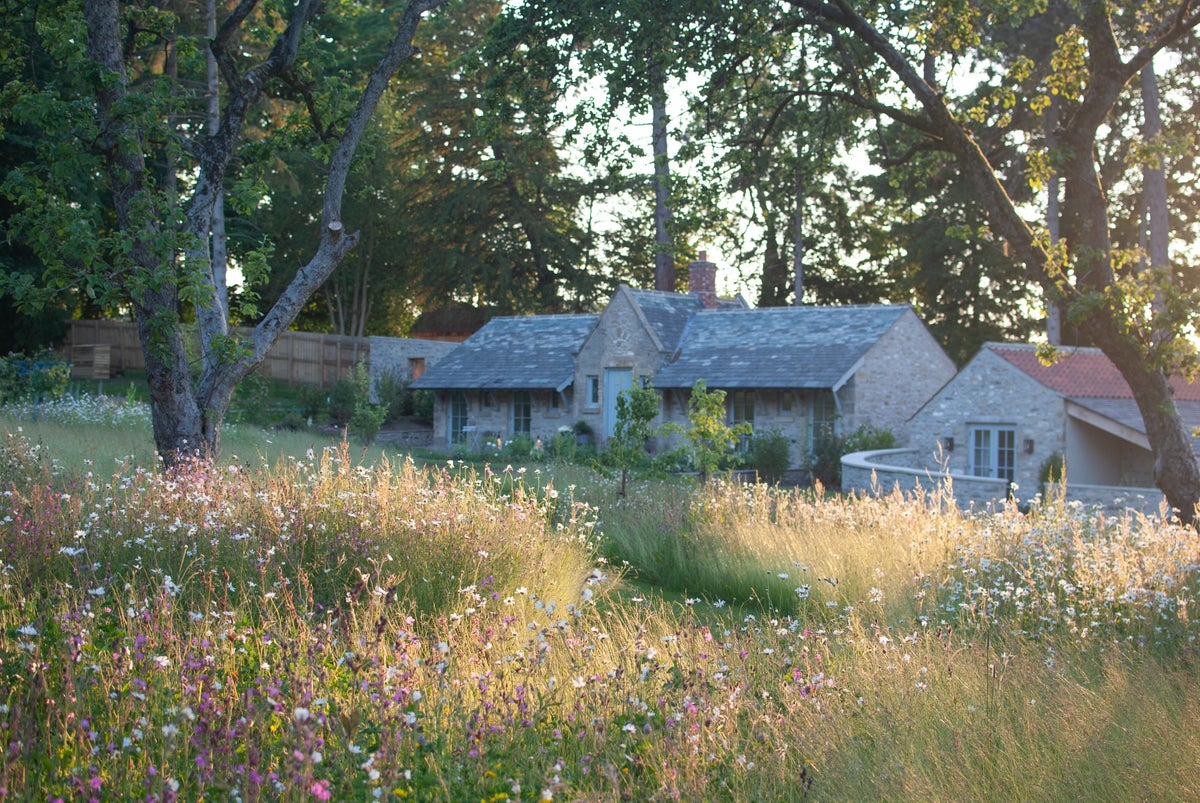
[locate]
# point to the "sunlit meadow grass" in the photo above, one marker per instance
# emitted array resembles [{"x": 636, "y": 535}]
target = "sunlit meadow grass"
[
  {"x": 332, "y": 630},
  {"x": 96, "y": 430}
]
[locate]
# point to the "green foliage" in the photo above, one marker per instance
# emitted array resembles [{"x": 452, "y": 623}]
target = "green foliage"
[
  {"x": 342, "y": 401},
  {"x": 422, "y": 405},
  {"x": 563, "y": 446},
  {"x": 637, "y": 408},
  {"x": 401, "y": 401},
  {"x": 312, "y": 400},
  {"x": 770, "y": 455},
  {"x": 393, "y": 395},
  {"x": 1052, "y": 472},
  {"x": 518, "y": 447},
  {"x": 826, "y": 461},
  {"x": 711, "y": 441},
  {"x": 367, "y": 418},
  {"x": 252, "y": 400},
  {"x": 37, "y": 377}
]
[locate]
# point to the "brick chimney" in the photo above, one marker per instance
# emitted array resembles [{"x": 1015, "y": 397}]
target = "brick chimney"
[{"x": 702, "y": 280}]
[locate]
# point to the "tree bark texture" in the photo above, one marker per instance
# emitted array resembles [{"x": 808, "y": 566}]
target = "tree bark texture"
[
  {"x": 187, "y": 417},
  {"x": 664, "y": 246},
  {"x": 1085, "y": 220}
]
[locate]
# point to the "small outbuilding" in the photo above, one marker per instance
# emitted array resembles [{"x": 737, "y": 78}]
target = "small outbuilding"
[{"x": 1007, "y": 421}]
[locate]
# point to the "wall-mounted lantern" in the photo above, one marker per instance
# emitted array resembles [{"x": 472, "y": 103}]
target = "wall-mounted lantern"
[
  {"x": 1029, "y": 446},
  {"x": 948, "y": 444}
]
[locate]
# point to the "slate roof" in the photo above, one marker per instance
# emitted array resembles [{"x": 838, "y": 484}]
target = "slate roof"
[
  {"x": 667, "y": 314},
  {"x": 780, "y": 347},
  {"x": 533, "y": 352},
  {"x": 1081, "y": 373}
]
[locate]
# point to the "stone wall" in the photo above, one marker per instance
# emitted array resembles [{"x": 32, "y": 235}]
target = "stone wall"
[
  {"x": 489, "y": 417},
  {"x": 398, "y": 355},
  {"x": 990, "y": 391},
  {"x": 899, "y": 374},
  {"x": 888, "y": 470}
]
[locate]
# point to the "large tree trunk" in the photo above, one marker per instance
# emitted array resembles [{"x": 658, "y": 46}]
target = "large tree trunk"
[
  {"x": 664, "y": 246},
  {"x": 187, "y": 418},
  {"x": 1054, "y": 311},
  {"x": 1156, "y": 228},
  {"x": 219, "y": 252},
  {"x": 774, "y": 288},
  {"x": 1085, "y": 221},
  {"x": 799, "y": 190}
]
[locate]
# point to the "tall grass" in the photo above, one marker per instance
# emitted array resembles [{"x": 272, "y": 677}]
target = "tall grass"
[{"x": 324, "y": 629}]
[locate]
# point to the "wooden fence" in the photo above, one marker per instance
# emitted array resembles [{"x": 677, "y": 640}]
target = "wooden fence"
[{"x": 100, "y": 349}]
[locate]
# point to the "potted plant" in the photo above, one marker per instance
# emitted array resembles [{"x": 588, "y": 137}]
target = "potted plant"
[{"x": 583, "y": 433}]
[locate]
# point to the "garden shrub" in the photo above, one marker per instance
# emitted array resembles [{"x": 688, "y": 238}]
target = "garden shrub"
[
  {"x": 518, "y": 447},
  {"x": 422, "y": 405},
  {"x": 251, "y": 400},
  {"x": 367, "y": 418},
  {"x": 710, "y": 440},
  {"x": 636, "y": 410},
  {"x": 394, "y": 395},
  {"x": 39, "y": 377},
  {"x": 341, "y": 402},
  {"x": 311, "y": 399},
  {"x": 770, "y": 455},
  {"x": 826, "y": 462},
  {"x": 1052, "y": 472},
  {"x": 563, "y": 445}
]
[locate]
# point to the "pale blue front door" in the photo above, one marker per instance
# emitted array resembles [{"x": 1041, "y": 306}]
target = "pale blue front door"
[{"x": 615, "y": 381}]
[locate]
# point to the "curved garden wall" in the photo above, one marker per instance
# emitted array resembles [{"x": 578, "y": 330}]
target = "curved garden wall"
[{"x": 888, "y": 470}]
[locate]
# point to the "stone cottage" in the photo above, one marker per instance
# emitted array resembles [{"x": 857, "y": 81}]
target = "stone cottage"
[
  {"x": 996, "y": 427},
  {"x": 807, "y": 371},
  {"x": 514, "y": 377},
  {"x": 798, "y": 370}
]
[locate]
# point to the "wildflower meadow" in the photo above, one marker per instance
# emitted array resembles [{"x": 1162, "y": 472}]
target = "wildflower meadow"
[{"x": 324, "y": 628}]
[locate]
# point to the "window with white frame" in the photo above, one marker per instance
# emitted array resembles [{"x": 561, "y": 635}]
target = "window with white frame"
[
  {"x": 993, "y": 451},
  {"x": 593, "y": 391},
  {"x": 522, "y": 413}
]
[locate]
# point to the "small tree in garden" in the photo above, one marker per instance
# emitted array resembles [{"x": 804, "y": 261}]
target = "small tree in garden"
[
  {"x": 636, "y": 409},
  {"x": 367, "y": 418},
  {"x": 711, "y": 441}
]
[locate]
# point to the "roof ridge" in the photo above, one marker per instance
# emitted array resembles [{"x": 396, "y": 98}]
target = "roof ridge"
[{"x": 811, "y": 307}]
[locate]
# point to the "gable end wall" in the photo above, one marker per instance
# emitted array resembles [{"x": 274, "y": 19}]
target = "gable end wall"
[
  {"x": 989, "y": 390},
  {"x": 902, "y": 371},
  {"x": 620, "y": 340}
]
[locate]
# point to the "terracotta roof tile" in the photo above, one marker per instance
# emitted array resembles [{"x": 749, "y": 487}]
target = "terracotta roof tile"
[{"x": 1081, "y": 373}]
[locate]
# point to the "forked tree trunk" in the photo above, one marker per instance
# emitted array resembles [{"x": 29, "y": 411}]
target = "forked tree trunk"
[{"x": 187, "y": 417}]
